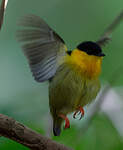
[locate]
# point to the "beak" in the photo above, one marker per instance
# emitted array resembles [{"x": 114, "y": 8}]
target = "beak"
[{"x": 101, "y": 54}]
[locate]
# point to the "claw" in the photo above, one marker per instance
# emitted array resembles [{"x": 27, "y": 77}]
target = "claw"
[
  {"x": 74, "y": 115},
  {"x": 67, "y": 122},
  {"x": 80, "y": 111}
]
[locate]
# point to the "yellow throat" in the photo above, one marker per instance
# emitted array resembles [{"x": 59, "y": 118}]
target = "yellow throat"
[{"x": 88, "y": 65}]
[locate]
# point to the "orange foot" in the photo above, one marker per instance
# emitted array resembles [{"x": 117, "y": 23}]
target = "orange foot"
[
  {"x": 81, "y": 111},
  {"x": 67, "y": 122}
]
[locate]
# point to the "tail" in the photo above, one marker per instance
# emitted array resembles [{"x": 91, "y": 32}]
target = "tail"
[{"x": 57, "y": 127}]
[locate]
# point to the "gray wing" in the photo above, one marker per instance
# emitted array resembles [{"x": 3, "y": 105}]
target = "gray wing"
[
  {"x": 42, "y": 46},
  {"x": 105, "y": 38}
]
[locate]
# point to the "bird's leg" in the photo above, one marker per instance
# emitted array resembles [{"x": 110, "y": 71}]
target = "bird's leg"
[
  {"x": 81, "y": 111},
  {"x": 67, "y": 122}
]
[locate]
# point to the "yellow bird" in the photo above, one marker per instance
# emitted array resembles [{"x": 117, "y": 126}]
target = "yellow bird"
[{"x": 73, "y": 75}]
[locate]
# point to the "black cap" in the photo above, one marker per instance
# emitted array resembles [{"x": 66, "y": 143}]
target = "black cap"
[{"x": 91, "y": 48}]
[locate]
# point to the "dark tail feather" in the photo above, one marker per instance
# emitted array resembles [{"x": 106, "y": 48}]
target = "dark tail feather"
[{"x": 56, "y": 129}]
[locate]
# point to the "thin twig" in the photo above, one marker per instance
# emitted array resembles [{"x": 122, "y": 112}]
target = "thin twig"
[{"x": 105, "y": 37}]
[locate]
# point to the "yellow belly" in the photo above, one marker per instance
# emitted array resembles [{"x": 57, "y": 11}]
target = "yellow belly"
[{"x": 69, "y": 89}]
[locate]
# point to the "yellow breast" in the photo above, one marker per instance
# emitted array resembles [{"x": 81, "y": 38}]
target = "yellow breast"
[{"x": 88, "y": 65}]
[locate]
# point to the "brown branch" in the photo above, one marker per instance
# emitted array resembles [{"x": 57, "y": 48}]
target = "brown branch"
[
  {"x": 2, "y": 9},
  {"x": 18, "y": 132}
]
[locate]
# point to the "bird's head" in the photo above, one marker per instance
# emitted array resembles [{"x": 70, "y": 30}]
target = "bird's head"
[{"x": 88, "y": 56}]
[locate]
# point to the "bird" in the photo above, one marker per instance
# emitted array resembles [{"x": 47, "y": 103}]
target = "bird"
[{"x": 73, "y": 75}]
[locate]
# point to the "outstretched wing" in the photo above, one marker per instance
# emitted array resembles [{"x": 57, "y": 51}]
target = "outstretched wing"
[
  {"x": 42, "y": 46},
  {"x": 105, "y": 38}
]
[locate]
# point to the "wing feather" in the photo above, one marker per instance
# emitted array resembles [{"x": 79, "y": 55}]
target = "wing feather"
[{"x": 42, "y": 46}]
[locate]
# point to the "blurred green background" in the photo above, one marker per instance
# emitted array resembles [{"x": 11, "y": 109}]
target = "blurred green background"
[{"x": 27, "y": 101}]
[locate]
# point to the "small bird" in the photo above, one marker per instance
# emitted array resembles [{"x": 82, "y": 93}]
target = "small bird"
[{"x": 73, "y": 75}]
